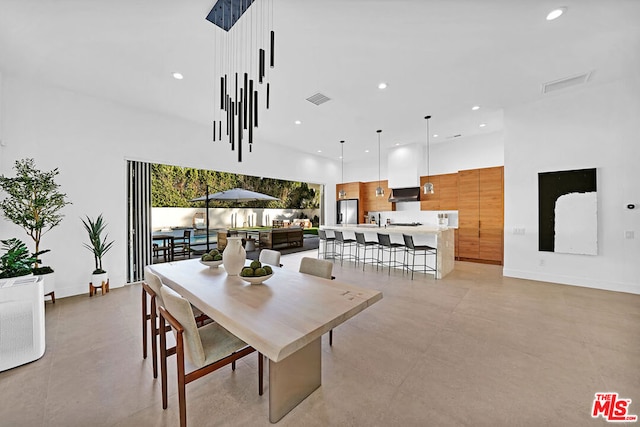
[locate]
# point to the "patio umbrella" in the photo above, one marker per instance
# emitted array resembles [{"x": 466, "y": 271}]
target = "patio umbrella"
[
  {"x": 236, "y": 195},
  {"x": 233, "y": 195}
]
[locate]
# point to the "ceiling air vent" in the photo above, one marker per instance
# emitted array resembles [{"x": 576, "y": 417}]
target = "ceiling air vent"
[
  {"x": 565, "y": 82},
  {"x": 318, "y": 99}
]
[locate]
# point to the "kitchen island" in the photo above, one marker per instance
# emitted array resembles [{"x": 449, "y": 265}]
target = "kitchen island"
[{"x": 441, "y": 238}]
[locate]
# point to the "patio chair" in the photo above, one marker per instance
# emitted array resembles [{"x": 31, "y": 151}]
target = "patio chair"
[{"x": 182, "y": 245}]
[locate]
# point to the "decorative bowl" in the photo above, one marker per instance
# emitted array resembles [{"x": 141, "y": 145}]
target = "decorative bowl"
[
  {"x": 212, "y": 264},
  {"x": 256, "y": 280}
]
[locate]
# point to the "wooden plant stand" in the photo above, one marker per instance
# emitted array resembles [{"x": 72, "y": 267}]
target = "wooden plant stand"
[{"x": 94, "y": 289}]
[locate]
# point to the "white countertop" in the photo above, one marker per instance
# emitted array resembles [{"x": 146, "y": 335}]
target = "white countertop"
[{"x": 420, "y": 229}]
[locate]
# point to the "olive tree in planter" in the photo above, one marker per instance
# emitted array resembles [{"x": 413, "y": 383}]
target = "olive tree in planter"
[
  {"x": 34, "y": 202},
  {"x": 98, "y": 245}
]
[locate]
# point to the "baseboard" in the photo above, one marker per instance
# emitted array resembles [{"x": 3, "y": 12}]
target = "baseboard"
[{"x": 631, "y": 288}]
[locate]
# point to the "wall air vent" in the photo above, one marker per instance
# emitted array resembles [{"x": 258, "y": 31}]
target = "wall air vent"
[
  {"x": 566, "y": 82},
  {"x": 318, "y": 99}
]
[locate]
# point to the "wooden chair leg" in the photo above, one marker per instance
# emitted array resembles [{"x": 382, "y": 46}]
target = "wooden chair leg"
[
  {"x": 163, "y": 363},
  {"x": 154, "y": 337},
  {"x": 145, "y": 318},
  {"x": 260, "y": 373}
]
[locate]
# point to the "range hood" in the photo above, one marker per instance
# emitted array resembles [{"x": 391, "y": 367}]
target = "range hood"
[{"x": 411, "y": 194}]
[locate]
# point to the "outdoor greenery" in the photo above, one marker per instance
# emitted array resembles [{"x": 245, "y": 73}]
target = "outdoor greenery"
[
  {"x": 16, "y": 261},
  {"x": 174, "y": 186},
  {"x": 98, "y": 245},
  {"x": 34, "y": 200}
]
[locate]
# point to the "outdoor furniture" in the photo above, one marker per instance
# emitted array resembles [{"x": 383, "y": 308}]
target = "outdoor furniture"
[
  {"x": 182, "y": 245},
  {"x": 291, "y": 236},
  {"x": 199, "y": 221},
  {"x": 166, "y": 247},
  {"x": 277, "y": 223}
]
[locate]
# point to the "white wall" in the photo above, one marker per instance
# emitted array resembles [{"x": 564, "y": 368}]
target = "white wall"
[
  {"x": 90, "y": 140},
  {"x": 593, "y": 126},
  {"x": 472, "y": 152}
]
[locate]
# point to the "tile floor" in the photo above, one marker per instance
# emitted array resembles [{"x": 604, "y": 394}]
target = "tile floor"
[{"x": 473, "y": 349}]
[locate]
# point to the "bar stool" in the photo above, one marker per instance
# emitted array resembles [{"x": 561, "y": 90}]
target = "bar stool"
[
  {"x": 324, "y": 242},
  {"x": 421, "y": 250},
  {"x": 362, "y": 243},
  {"x": 385, "y": 246},
  {"x": 345, "y": 243}
]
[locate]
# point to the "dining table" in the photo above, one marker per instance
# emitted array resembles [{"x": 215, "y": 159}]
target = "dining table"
[{"x": 283, "y": 318}]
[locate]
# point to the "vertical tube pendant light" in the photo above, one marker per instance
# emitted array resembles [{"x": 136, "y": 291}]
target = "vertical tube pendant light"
[
  {"x": 428, "y": 186},
  {"x": 342, "y": 194},
  {"x": 379, "y": 190}
]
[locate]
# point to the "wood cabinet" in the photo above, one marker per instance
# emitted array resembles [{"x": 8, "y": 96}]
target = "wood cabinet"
[
  {"x": 445, "y": 196},
  {"x": 354, "y": 190},
  {"x": 481, "y": 214},
  {"x": 371, "y": 203}
]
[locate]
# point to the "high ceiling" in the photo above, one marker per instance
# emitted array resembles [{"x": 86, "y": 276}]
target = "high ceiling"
[{"x": 438, "y": 57}]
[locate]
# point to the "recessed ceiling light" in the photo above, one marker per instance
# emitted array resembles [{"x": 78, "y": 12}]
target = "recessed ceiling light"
[
  {"x": 397, "y": 143},
  {"x": 554, "y": 14},
  {"x": 475, "y": 107},
  {"x": 366, "y": 151},
  {"x": 482, "y": 125},
  {"x": 177, "y": 76},
  {"x": 298, "y": 122},
  {"x": 382, "y": 85},
  {"x": 435, "y": 135},
  {"x": 319, "y": 151}
]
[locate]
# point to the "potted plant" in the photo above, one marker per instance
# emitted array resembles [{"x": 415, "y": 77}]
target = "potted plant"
[
  {"x": 98, "y": 245},
  {"x": 16, "y": 261},
  {"x": 34, "y": 203}
]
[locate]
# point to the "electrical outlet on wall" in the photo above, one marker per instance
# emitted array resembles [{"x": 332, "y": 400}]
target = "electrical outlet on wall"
[
  {"x": 629, "y": 234},
  {"x": 518, "y": 231}
]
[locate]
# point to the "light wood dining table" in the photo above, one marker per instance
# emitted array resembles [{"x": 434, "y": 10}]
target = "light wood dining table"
[{"x": 282, "y": 318}]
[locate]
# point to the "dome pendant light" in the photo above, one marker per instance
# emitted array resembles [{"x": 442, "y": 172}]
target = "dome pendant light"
[
  {"x": 379, "y": 190},
  {"x": 342, "y": 194},
  {"x": 428, "y": 186}
]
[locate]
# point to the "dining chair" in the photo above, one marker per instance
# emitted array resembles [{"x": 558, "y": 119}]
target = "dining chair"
[
  {"x": 271, "y": 257},
  {"x": 323, "y": 244},
  {"x": 363, "y": 244},
  {"x": 320, "y": 268},
  {"x": 419, "y": 250},
  {"x": 391, "y": 248},
  {"x": 208, "y": 348},
  {"x": 151, "y": 289}
]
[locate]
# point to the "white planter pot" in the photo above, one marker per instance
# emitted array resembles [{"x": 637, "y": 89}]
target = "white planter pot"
[
  {"x": 234, "y": 256},
  {"x": 99, "y": 279}
]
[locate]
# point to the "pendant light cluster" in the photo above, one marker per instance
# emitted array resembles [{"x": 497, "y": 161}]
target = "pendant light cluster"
[
  {"x": 342, "y": 194},
  {"x": 428, "y": 186},
  {"x": 379, "y": 190},
  {"x": 241, "y": 68}
]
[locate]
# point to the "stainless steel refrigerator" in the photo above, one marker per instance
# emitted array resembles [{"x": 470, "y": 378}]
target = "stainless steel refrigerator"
[{"x": 347, "y": 212}]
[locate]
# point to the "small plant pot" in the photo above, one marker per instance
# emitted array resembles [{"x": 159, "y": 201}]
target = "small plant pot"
[{"x": 99, "y": 279}]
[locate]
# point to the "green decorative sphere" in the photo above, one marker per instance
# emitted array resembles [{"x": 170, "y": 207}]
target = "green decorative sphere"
[
  {"x": 268, "y": 269},
  {"x": 247, "y": 272},
  {"x": 256, "y": 264},
  {"x": 260, "y": 272}
]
